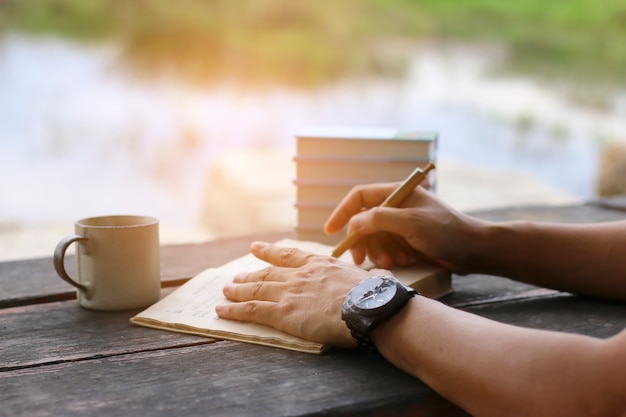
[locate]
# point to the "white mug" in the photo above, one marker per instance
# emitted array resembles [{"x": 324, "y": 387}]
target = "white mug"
[{"x": 118, "y": 262}]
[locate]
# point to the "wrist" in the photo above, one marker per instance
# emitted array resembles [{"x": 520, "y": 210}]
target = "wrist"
[
  {"x": 473, "y": 241},
  {"x": 371, "y": 303},
  {"x": 396, "y": 337},
  {"x": 495, "y": 246},
  {"x": 410, "y": 338}
]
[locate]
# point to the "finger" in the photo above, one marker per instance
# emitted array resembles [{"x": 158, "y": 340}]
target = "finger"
[
  {"x": 260, "y": 290},
  {"x": 393, "y": 249},
  {"x": 401, "y": 258},
  {"x": 359, "y": 252},
  {"x": 280, "y": 256},
  {"x": 261, "y": 312},
  {"x": 358, "y": 198},
  {"x": 378, "y": 251},
  {"x": 266, "y": 274}
]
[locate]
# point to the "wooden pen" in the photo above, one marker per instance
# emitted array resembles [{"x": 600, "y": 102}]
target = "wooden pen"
[{"x": 393, "y": 200}]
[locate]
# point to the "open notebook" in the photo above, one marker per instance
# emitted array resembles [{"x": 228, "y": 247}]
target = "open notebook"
[{"x": 191, "y": 307}]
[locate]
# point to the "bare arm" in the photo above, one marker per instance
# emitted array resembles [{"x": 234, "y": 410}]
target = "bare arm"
[
  {"x": 493, "y": 369},
  {"x": 486, "y": 367},
  {"x": 587, "y": 259}
]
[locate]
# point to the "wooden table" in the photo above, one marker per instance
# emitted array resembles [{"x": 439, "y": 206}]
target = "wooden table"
[{"x": 60, "y": 359}]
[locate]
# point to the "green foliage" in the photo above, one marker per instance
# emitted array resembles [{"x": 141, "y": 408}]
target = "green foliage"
[
  {"x": 307, "y": 42},
  {"x": 74, "y": 19},
  {"x": 560, "y": 39}
]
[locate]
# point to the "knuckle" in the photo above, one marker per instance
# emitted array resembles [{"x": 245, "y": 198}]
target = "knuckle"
[
  {"x": 250, "y": 308},
  {"x": 287, "y": 307},
  {"x": 310, "y": 257},
  {"x": 376, "y": 213},
  {"x": 256, "y": 289},
  {"x": 357, "y": 190},
  {"x": 265, "y": 273},
  {"x": 287, "y": 255}
]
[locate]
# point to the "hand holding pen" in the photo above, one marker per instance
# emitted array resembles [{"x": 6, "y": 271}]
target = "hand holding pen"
[{"x": 393, "y": 200}]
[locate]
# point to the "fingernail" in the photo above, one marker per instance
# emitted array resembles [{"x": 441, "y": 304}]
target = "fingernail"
[
  {"x": 240, "y": 277},
  {"x": 258, "y": 245}
]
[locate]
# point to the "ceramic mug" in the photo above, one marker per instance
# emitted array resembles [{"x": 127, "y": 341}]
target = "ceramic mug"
[{"x": 118, "y": 262}]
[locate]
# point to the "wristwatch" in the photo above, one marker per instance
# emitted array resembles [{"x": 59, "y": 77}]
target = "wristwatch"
[{"x": 372, "y": 302}]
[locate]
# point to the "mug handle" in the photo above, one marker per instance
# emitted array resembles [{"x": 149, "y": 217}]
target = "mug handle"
[{"x": 59, "y": 260}]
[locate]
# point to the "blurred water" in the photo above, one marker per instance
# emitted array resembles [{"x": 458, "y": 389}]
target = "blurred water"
[{"x": 78, "y": 138}]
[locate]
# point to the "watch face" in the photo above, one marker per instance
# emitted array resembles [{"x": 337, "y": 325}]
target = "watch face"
[{"x": 373, "y": 293}]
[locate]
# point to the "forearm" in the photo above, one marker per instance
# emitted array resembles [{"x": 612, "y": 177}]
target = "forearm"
[
  {"x": 585, "y": 259},
  {"x": 489, "y": 368}
]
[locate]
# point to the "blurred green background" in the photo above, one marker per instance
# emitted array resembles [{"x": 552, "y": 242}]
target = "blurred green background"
[{"x": 310, "y": 42}]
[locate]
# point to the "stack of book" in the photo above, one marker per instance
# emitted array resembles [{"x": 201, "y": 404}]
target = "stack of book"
[{"x": 332, "y": 160}]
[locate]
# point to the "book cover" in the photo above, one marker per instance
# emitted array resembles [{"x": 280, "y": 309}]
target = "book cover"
[{"x": 366, "y": 142}]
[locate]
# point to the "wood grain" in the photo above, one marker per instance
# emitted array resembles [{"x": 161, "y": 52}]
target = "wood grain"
[
  {"x": 222, "y": 379},
  {"x": 57, "y": 358},
  {"x": 35, "y": 281}
]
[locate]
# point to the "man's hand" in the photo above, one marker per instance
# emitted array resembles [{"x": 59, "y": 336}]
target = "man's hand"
[{"x": 300, "y": 293}]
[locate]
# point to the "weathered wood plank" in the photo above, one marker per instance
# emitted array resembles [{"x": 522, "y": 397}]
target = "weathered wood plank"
[
  {"x": 60, "y": 359},
  {"x": 31, "y": 281},
  {"x": 223, "y": 379},
  {"x": 562, "y": 312},
  {"x": 614, "y": 203},
  {"x": 87, "y": 351},
  {"x": 181, "y": 262},
  {"x": 34, "y": 280},
  {"x": 478, "y": 289},
  {"x": 71, "y": 332},
  {"x": 63, "y": 331}
]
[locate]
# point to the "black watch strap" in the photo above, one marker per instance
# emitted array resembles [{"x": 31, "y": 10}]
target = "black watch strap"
[
  {"x": 366, "y": 344},
  {"x": 361, "y": 326}
]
